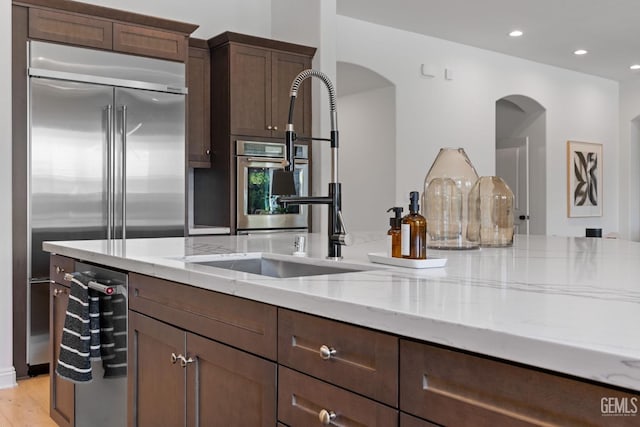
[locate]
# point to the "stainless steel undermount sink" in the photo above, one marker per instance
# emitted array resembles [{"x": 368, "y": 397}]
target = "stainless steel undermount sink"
[{"x": 275, "y": 265}]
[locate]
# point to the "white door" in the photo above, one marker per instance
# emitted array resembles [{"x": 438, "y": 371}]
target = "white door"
[{"x": 512, "y": 165}]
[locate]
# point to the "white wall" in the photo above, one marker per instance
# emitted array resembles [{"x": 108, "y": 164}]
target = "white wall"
[
  {"x": 214, "y": 16},
  {"x": 630, "y": 159},
  {"x": 367, "y": 158},
  {"x": 7, "y": 373},
  {"x": 434, "y": 113}
]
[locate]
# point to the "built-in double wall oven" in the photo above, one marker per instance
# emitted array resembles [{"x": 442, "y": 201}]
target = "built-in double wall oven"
[{"x": 257, "y": 209}]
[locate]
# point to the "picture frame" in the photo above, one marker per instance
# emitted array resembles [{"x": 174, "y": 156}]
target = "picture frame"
[{"x": 584, "y": 179}]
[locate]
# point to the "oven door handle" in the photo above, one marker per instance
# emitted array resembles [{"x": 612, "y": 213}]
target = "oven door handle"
[{"x": 283, "y": 162}]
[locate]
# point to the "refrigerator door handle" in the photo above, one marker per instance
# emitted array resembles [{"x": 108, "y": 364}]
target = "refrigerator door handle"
[
  {"x": 124, "y": 172},
  {"x": 109, "y": 156}
]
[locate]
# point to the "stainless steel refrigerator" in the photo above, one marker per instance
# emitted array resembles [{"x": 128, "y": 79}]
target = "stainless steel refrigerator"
[{"x": 107, "y": 157}]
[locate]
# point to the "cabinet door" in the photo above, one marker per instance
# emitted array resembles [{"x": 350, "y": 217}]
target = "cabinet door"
[
  {"x": 199, "y": 108},
  {"x": 71, "y": 29},
  {"x": 149, "y": 42},
  {"x": 285, "y": 69},
  {"x": 62, "y": 396},
  {"x": 156, "y": 380},
  {"x": 228, "y": 387},
  {"x": 250, "y": 98}
]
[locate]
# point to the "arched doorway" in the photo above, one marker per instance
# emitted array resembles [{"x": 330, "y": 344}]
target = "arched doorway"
[
  {"x": 367, "y": 122},
  {"x": 521, "y": 159}
]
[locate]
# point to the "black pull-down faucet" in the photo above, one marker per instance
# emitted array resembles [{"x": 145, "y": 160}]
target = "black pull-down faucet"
[{"x": 283, "y": 183}]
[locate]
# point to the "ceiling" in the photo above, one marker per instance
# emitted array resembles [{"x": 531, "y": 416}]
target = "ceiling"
[{"x": 608, "y": 29}]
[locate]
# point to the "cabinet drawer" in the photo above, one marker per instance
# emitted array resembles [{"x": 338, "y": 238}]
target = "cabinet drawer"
[
  {"x": 149, "y": 42},
  {"x": 241, "y": 323},
  {"x": 301, "y": 400},
  {"x": 453, "y": 388},
  {"x": 365, "y": 361},
  {"x": 58, "y": 266},
  {"x": 411, "y": 421},
  {"x": 68, "y": 28}
]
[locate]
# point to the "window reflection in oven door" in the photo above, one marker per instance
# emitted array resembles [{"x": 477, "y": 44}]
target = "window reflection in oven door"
[{"x": 256, "y": 206}]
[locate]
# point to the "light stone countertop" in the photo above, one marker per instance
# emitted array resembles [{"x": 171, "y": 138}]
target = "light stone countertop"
[{"x": 570, "y": 305}]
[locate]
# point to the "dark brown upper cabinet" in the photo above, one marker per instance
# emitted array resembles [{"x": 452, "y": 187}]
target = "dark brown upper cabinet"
[
  {"x": 252, "y": 78},
  {"x": 70, "y": 29},
  {"x": 98, "y": 27},
  {"x": 199, "y": 104}
]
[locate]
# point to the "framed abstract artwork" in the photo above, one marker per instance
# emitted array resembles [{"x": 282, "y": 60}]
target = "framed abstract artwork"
[{"x": 584, "y": 179}]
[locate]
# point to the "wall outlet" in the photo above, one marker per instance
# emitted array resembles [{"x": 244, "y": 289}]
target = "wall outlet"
[{"x": 448, "y": 74}]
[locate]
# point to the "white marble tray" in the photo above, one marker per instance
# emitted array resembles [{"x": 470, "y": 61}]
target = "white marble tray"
[{"x": 382, "y": 258}]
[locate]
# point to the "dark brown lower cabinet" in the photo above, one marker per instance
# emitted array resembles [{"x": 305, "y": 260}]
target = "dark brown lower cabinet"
[
  {"x": 177, "y": 377},
  {"x": 156, "y": 383},
  {"x": 453, "y": 388},
  {"x": 62, "y": 392},
  {"x": 305, "y": 401},
  {"x": 228, "y": 387}
]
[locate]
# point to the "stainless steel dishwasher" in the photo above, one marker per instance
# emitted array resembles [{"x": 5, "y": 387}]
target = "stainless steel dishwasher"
[{"x": 103, "y": 401}]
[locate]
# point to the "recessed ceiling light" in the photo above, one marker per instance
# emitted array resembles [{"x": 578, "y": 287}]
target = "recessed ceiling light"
[
  {"x": 516, "y": 33},
  {"x": 635, "y": 67},
  {"x": 580, "y": 52}
]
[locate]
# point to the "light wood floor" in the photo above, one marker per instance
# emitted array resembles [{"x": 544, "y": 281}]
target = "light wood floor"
[{"x": 26, "y": 405}]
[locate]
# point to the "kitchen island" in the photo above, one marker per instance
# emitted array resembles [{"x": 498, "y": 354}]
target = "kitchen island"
[{"x": 565, "y": 306}]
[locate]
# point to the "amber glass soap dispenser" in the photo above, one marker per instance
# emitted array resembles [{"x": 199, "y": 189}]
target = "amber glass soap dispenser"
[
  {"x": 414, "y": 231},
  {"x": 394, "y": 244}
]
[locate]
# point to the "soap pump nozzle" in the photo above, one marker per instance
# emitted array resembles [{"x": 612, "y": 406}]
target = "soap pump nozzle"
[
  {"x": 395, "y": 233},
  {"x": 396, "y": 221}
]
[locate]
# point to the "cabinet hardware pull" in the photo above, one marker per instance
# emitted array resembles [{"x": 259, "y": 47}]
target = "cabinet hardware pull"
[
  {"x": 174, "y": 358},
  {"x": 57, "y": 292},
  {"x": 326, "y": 417},
  {"x": 269, "y": 127},
  {"x": 275, "y": 128},
  {"x": 327, "y": 353},
  {"x": 59, "y": 269},
  {"x": 184, "y": 362},
  {"x": 208, "y": 152}
]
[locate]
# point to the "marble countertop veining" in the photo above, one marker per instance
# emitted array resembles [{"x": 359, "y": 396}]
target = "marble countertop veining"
[{"x": 570, "y": 305}]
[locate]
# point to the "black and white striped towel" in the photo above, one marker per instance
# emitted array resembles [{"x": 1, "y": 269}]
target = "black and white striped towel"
[
  {"x": 113, "y": 335},
  {"x": 74, "y": 361},
  {"x": 95, "y": 328}
]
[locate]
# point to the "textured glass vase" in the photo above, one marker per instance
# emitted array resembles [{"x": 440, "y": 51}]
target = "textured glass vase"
[
  {"x": 445, "y": 198},
  {"x": 491, "y": 212}
]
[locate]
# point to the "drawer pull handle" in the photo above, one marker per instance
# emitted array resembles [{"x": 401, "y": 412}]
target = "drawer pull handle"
[
  {"x": 275, "y": 128},
  {"x": 184, "y": 362},
  {"x": 174, "y": 358},
  {"x": 327, "y": 353},
  {"x": 59, "y": 269},
  {"x": 269, "y": 127},
  {"x": 57, "y": 292},
  {"x": 326, "y": 417}
]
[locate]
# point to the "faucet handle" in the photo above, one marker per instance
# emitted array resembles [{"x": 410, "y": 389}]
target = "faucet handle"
[{"x": 344, "y": 238}]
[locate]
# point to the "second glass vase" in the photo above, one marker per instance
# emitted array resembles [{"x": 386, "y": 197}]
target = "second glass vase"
[{"x": 445, "y": 200}]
